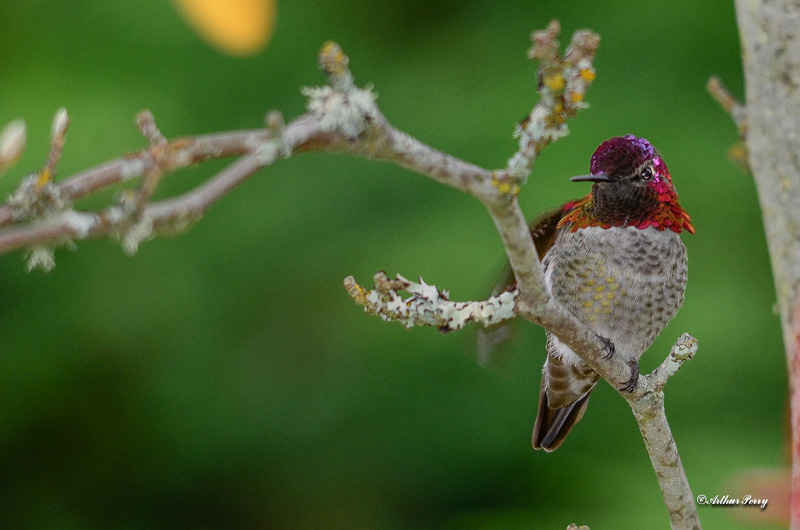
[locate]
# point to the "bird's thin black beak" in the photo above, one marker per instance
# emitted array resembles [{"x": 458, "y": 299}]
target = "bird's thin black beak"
[{"x": 591, "y": 178}]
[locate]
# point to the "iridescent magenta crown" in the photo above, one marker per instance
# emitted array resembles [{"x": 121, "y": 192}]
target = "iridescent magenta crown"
[{"x": 621, "y": 155}]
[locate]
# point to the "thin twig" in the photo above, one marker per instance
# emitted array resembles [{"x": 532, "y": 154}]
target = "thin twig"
[
  {"x": 59, "y": 133},
  {"x": 562, "y": 87},
  {"x": 738, "y": 112},
  {"x": 729, "y": 104},
  {"x": 147, "y": 126},
  {"x": 683, "y": 350}
]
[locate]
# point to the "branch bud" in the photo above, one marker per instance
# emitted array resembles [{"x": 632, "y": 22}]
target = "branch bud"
[
  {"x": 12, "y": 143},
  {"x": 60, "y": 123}
]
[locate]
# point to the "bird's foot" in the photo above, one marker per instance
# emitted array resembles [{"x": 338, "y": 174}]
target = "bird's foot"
[
  {"x": 630, "y": 385},
  {"x": 608, "y": 347}
]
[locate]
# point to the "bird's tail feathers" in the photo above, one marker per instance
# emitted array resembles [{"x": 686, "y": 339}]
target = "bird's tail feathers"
[
  {"x": 553, "y": 425},
  {"x": 569, "y": 387}
]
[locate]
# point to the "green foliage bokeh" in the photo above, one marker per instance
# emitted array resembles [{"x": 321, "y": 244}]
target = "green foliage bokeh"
[{"x": 223, "y": 379}]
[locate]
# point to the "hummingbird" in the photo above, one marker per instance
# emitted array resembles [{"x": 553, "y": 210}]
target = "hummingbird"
[{"x": 616, "y": 261}]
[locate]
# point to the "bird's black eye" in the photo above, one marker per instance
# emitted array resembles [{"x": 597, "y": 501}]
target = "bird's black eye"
[{"x": 647, "y": 173}]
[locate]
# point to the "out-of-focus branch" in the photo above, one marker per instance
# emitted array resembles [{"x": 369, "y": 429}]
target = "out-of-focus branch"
[
  {"x": 40, "y": 215},
  {"x": 738, "y": 112},
  {"x": 729, "y": 104},
  {"x": 12, "y": 144}
]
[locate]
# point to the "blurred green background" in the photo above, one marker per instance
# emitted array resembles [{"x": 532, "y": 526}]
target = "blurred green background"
[{"x": 224, "y": 379}]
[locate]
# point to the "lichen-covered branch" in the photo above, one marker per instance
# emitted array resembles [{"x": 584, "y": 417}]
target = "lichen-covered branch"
[
  {"x": 562, "y": 87},
  {"x": 648, "y": 409},
  {"x": 561, "y": 96},
  {"x": 427, "y": 305},
  {"x": 683, "y": 350},
  {"x": 652, "y": 421}
]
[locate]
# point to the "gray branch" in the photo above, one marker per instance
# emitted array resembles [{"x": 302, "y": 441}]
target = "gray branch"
[{"x": 564, "y": 83}]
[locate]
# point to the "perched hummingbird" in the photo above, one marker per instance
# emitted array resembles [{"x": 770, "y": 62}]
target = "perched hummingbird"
[{"x": 615, "y": 260}]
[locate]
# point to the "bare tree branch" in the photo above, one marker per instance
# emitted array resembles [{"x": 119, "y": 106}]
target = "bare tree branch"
[
  {"x": 533, "y": 302},
  {"x": 48, "y": 205}
]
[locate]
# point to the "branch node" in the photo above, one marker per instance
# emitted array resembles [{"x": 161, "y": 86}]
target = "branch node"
[
  {"x": 505, "y": 184},
  {"x": 130, "y": 225},
  {"x": 37, "y": 196},
  {"x": 340, "y": 107},
  {"x": 36, "y": 200},
  {"x": 683, "y": 350},
  {"x": 160, "y": 151},
  {"x": 347, "y": 112},
  {"x": 277, "y": 127}
]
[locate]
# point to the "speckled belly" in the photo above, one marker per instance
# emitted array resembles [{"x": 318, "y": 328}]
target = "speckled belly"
[{"x": 624, "y": 283}]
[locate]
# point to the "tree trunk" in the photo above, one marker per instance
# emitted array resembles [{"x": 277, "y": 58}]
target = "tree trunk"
[{"x": 770, "y": 35}]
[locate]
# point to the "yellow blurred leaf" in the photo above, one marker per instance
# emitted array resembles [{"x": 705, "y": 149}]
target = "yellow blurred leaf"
[{"x": 236, "y": 27}]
